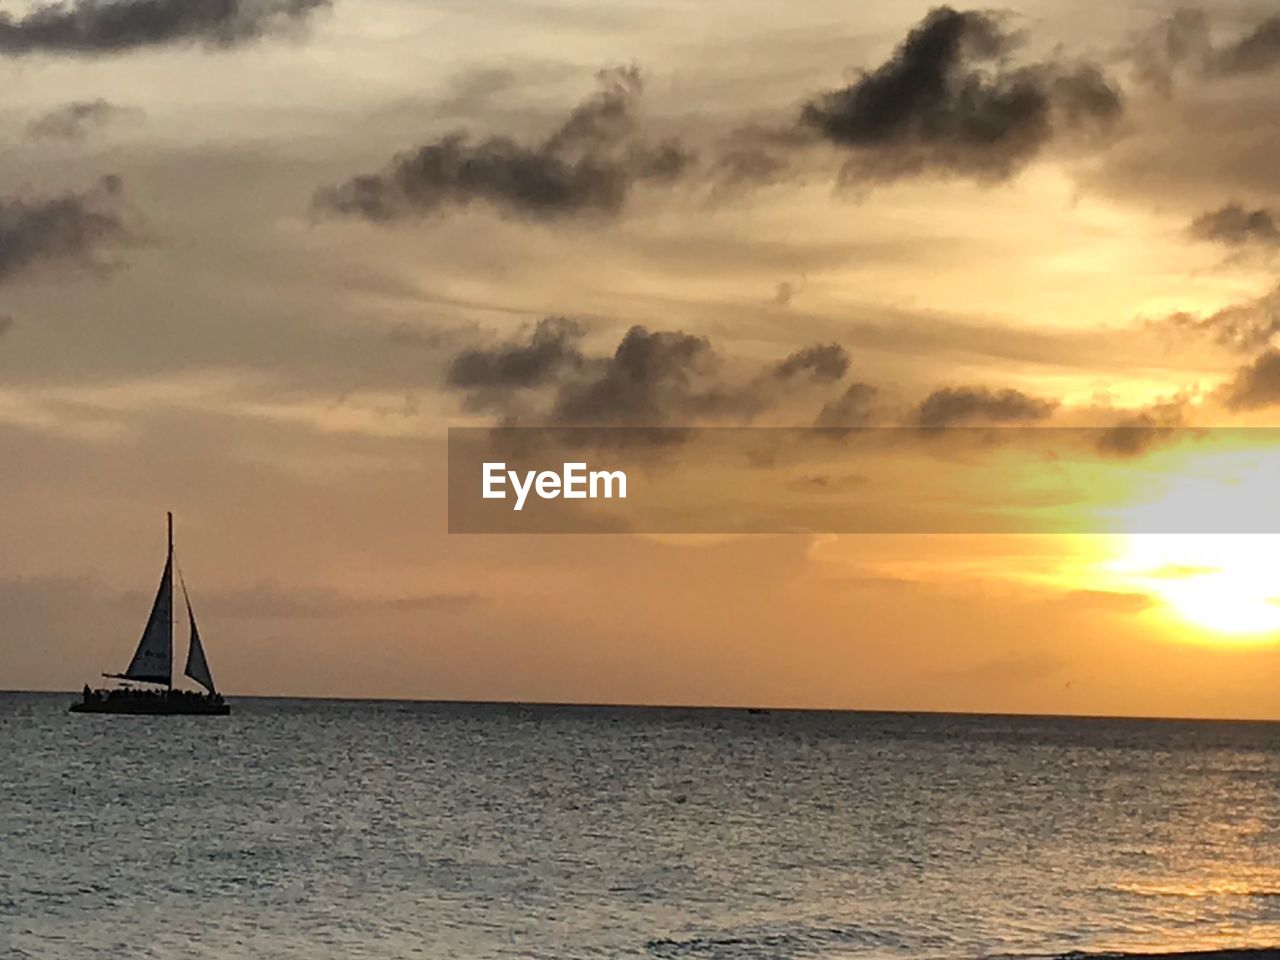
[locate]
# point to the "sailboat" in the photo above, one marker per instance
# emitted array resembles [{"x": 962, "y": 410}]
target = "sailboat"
[{"x": 152, "y": 664}]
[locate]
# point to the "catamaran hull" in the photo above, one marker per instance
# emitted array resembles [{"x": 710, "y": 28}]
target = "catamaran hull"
[{"x": 158, "y": 708}]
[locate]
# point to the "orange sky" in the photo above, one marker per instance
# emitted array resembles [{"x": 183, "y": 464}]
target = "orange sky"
[{"x": 316, "y": 248}]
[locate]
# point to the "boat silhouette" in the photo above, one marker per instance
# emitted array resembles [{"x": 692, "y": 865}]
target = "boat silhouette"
[{"x": 152, "y": 664}]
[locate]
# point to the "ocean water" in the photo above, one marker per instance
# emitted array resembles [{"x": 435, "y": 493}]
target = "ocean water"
[{"x": 318, "y": 829}]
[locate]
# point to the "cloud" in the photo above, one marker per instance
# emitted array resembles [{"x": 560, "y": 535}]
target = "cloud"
[
  {"x": 269, "y": 600},
  {"x": 552, "y": 349},
  {"x": 586, "y": 167},
  {"x": 429, "y": 338},
  {"x": 1256, "y": 384},
  {"x": 475, "y": 88},
  {"x": 947, "y": 102},
  {"x": 1235, "y": 225},
  {"x": 1179, "y": 571},
  {"x": 1111, "y": 600},
  {"x": 1245, "y": 326},
  {"x": 74, "y": 121},
  {"x": 828, "y": 361},
  {"x": 92, "y": 27},
  {"x": 1137, "y": 433},
  {"x": 756, "y": 155},
  {"x": 70, "y": 228},
  {"x": 549, "y": 375},
  {"x": 652, "y": 378},
  {"x": 665, "y": 376},
  {"x": 829, "y": 482},
  {"x": 1180, "y": 39},
  {"x": 853, "y": 408},
  {"x": 952, "y": 406},
  {"x": 1184, "y": 41},
  {"x": 1256, "y": 52},
  {"x": 6, "y": 323}
]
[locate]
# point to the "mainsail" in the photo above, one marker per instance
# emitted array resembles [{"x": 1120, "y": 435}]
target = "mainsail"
[
  {"x": 153, "y": 660},
  {"x": 197, "y": 666}
]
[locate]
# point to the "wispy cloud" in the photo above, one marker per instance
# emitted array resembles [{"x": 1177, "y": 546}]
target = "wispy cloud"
[{"x": 75, "y": 121}]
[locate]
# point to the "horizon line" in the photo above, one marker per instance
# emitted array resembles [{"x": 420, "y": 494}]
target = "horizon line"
[{"x": 743, "y": 708}]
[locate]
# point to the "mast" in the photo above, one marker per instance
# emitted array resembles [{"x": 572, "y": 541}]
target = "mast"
[
  {"x": 173, "y": 620},
  {"x": 153, "y": 660}
]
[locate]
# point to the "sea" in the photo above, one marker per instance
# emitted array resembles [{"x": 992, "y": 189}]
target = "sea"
[{"x": 319, "y": 829}]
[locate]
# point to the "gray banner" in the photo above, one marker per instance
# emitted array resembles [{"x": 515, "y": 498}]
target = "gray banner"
[{"x": 1136, "y": 479}]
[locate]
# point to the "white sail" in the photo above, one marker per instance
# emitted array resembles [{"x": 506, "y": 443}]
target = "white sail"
[
  {"x": 197, "y": 666},
  {"x": 153, "y": 660}
]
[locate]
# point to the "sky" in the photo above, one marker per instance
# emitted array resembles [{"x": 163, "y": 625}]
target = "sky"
[{"x": 257, "y": 256}]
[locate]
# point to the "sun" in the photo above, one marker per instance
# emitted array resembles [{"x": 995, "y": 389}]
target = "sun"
[
  {"x": 1216, "y": 581},
  {"x": 1225, "y": 584}
]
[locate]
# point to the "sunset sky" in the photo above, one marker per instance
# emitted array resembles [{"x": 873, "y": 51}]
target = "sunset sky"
[{"x": 257, "y": 257}]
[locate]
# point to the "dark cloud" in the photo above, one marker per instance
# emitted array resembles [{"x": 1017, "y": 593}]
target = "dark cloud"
[
  {"x": 853, "y": 408},
  {"x": 786, "y": 291},
  {"x": 953, "y": 406},
  {"x": 1136, "y": 433},
  {"x": 552, "y": 349},
  {"x": 652, "y": 378},
  {"x": 70, "y": 228},
  {"x": 947, "y": 101},
  {"x": 828, "y": 361},
  {"x": 794, "y": 374},
  {"x": 6, "y": 323},
  {"x": 1255, "y": 385},
  {"x": 1235, "y": 225},
  {"x": 1256, "y": 52},
  {"x": 75, "y": 120},
  {"x": 672, "y": 379},
  {"x": 90, "y": 27},
  {"x": 588, "y": 166},
  {"x": 1244, "y": 326},
  {"x": 662, "y": 377}
]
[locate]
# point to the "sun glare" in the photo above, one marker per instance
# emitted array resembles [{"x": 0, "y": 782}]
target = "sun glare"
[
  {"x": 1216, "y": 579},
  {"x": 1225, "y": 584}
]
